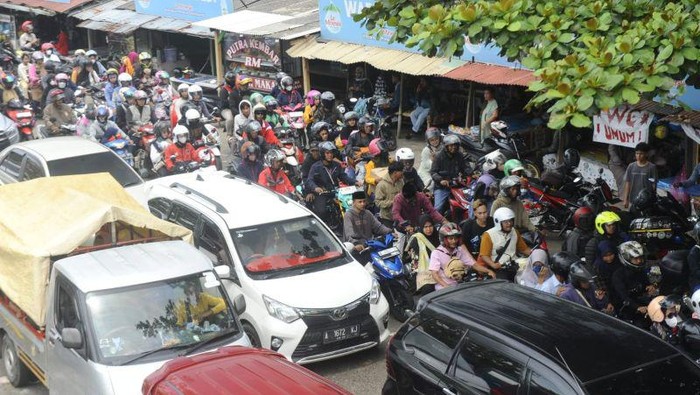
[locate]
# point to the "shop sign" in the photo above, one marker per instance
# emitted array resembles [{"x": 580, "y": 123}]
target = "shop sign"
[
  {"x": 622, "y": 126},
  {"x": 692, "y": 132},
  {"x": 190, "y": 10},
  {"x": 262, "y": 84},
  {"x": 337, "y": 25},
  {"x": 253, "y": 52}
]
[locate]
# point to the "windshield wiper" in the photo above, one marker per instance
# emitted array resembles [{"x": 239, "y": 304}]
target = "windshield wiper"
[
  {"x": 198, "y": 346},
  {"x": 155, "y": 351}
]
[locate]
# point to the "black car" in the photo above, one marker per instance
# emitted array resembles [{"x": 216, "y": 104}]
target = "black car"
[{"x": 495, "y": 337}]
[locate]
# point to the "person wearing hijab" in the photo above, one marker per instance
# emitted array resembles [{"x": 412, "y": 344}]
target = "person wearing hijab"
[
  {"x": 418, "y": 249},
  {"x": 536, "y": 272},
  {"x": 606, "y": 263}
]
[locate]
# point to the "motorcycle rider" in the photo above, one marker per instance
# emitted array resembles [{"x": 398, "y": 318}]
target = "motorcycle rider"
[
  {"x": 508, "y": 197},
  {"x": 126, "y": 100},
  {"x": 493, "y": 170},
  {"x": 560, "y": 264},
  {"x": 273, "y": 176},
  {"x": 196, "y": 94},
  {"x": 251, "y": 132},
  {"x": 361, "y": 138},
  {"x": 288, "y": 96},
  {"x": 500, "y": 244},
  {"x": 388, "y": 187},
  {"x": 580, "y": 290},
  {"x": 313, "y": 157},
  {"x": 313, "y": 102},
  {"x": 273, "y": 116},
  {"x": 181, "y": 150},
  {"x": 407, "y": 158},
  {"x": 409, "y": 205},
  {"x": 379, "y": 152},
  {"x": 251, "y": 166},
  {"x": 50, "y": 53},
  {"x": 449, "y": 164},
  {"x": 231, "y": 95},
  {"x": 92, "y": 58},
  {"x": 351, "y": 118},
  {"x": 448, "y": 251},
  {"x": 139, "y": 113},
  {"x": 28, "y": 40},
  {"x": 58, "y": 113},
  {"x": 125, "y": 81},
  {"x": 607, "y": 225},
  {"x": 259, "y": 113},
  {"x": 163, "y": 93},
  {"x": 176, "y": 110},
  {"x": 360, "y": 225},
  {"x": 327, "y": 111},
  {"x": 145, "y": 59},
  {"x": 606, "y": 264},
  {"x": 10, "y": 90},
  {"x": 631, "y": 288},
  {"x": 99, "y": 126},
  {"x": 325, "y": 175},
  {"x": 433, "y": 140},
  {"x": 576, "y": 240},
  {"x": 277, "y": 89},
  {"x": 664, "y": 313},
  {"x": 62, "y": 81},
  {"x": 320, "y": 132},
  {"x": 245, "y": 115},
  {"x": 163, "y": 140},
  {"x": 111, "y": 86}
]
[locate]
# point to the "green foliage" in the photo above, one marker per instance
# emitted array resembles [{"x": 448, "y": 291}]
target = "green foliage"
[{"x": 589, "y": 55}]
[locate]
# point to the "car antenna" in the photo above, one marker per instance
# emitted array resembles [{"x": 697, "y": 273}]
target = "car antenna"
[{"x": 564, "y": 360}]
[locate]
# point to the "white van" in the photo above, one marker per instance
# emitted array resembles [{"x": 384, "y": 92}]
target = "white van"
[{"x": 305, "y": 296}]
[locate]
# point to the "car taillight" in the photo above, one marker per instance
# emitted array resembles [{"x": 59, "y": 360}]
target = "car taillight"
[{"x": 389, "y": 368}]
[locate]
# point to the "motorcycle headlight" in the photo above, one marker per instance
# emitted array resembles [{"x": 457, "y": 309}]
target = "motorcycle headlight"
[
  {"x": 375, "y": 292},
  {"x": 280, "y": 310},
  {"x": 386, "y": 267}
]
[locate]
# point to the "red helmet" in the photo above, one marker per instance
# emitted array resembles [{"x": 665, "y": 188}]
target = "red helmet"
[
  {"x": 584, "y": 218},
  {"x": 25, "y": 25},
  {"x": 46, "y": 46}
]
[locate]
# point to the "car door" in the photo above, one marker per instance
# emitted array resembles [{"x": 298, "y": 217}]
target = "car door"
[
  {"x": 184, "y": 216},
  {"x": 485, "y": 366},
  {"x": 160, "y": 207},
  {"x": 427, "y": 352},
  {"x": 542, "y": 380},
  {"x": 32, "y": 168},
  {"x": 11, "y": 166}
]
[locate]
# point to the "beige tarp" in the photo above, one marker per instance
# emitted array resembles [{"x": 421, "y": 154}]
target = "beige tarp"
[{"x": 51, "y": 217}]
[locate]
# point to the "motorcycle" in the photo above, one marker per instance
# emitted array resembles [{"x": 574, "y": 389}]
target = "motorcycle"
[
  {"x": 121, "y": 148},
  {"x": 142, "y": 160},
  {"x": 392, "y": 275},
  {"x": 24, "y": 119},
  {"x": 63, "y": 130},
  {"x": 8, "y": 58},
  {"x": 294, "y": 156},
  {"x": 295, "y": 119},
  {"x": 459, "y": 202},
  {"x": 208, "y": 148}
]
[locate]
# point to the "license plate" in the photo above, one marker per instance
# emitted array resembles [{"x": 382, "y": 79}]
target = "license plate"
[
  {"x": 347, "y": 190},
  {"x": 389, "y": 252},
  {"x": 24, "y": 114},
  {"x": 335, "y": 335}
]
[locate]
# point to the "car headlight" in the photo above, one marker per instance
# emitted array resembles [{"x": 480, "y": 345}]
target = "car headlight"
[
  {"x": 375, "y": 293},
  {"x": 280, "y": 310}
]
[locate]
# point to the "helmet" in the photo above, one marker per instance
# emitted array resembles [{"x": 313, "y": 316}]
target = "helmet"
[
  {"x": 114, "y": 72},
  {"x": 654, "y": 275},
  {"x": 259, "y": 109},
  {"x": 279, "y": 76},
  {"x": 492, "y": 162},
  {"x": 629, "y": 250},
  {"x": 162, "y": 76},
  {"x": 450, "y": 139},
  {"x": 532, "y": 239},
  {"x": 350, "y": 115},
  {"x": 405, "y": 156},
  {"x": 313, "y": 146},
  {"x": 256, "y": 98},
  {"x": 499, "y": 127},
  {"x": 252, "y": 127},
  {"x": 503, "y": 214},
  {"x": 583, "y": 218},
  {"x": 180, "y": 130},
  {"x": 377, "y": 146},
  {"x": 571, "y": 158},
  {"x": 124, "y": 78},
  {"x": 26, "y": 25},
  {"x": 15, "y": 104},
  {"x": 192, "y": 117},
  {"x": 127, "y": 93},
  {"x": 660, "y": 132},
  {"x": 311, "y": 95},
  {"x": 244, "y": 80},
  {"x": 328, "y": 99},
  {"x": 90, "y": 52},
  {"x": 37, "y": 56},
  {"x": 177, "y": 72},
  {"x": 195, "y": 92},
  {"x": 183, "y": 88},
  {"x": 695, "y": 301},
  {"x": 606, "y": 217},
  {"x": 230, "y": 78},
  {"x": 273, "y": 155},
  {"x": 511, "y": 166},
  {"x": 287, "y": 83},
  {"x": 509, "y": 182},
  {"x": 79, "y": 52},
  {"x": 654, "y": 310},
  {"x": 318, "y": 126},
  {"x": 644, "y": 199},
  {"x": 326, "y": 146},
  {"x": 271, "y": 105},
  {"x": 449, "y": 229},
  {"x": 9, "y": 80},
  {"x": 61, "y": 77},
  {"x": 56, "y": 94},
  {"x": 102, "y": 114},
  {"x": 561, "y": 262},
  {"x": 187, "y": 73},
  {"x": 364, "y": 121},
  {"x": 578, "y": 272},
  {"x": 455, "y": 269},
  {"x": 46, "y": 46},
  {"x": 249, "y": 148},
  {"x": 140, "y": 95},
  {"x": 144, "y": 57},
  {"x": 432, "y": 133}
]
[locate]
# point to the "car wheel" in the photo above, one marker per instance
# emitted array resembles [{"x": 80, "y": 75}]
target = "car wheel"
[
  {"x": 17, "y": 372},
  {"x": 252, "y": 335},
  {"x": 402, "y": 307}
]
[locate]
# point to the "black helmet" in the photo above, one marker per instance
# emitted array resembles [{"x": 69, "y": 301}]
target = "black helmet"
[
  {"x": 579, "y": 273},
  {"x": 252, "y": 127},
  {"x": 561, "y": 262},
  {"x": 644, "y": 200},
  {"x": 350, "y": 115},
  {"x": 279, "y": 76},
  {"x": 328, "y": 99},
  {"x": 252, "y": 149},
  {"x": 532, "y": 239},
  {"x": 571, "y": 158},
  {"x": 177, "y": 72},
  {"x": 326, "y": 146},
  {"x": 313, "y": 146},
  {"x": 15, "y": 104},
  {"x": 629, "y": 251},
  {"x": 230, "y": 78},
  {"x": 287, "y": 83},
  {"x": 432, "y": 133},
  {"x": 318, "y": 126}
]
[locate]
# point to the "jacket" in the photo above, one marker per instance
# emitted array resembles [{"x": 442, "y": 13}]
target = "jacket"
[
  {"x": 278, "y": 182},
  {"x": 522, "y": 220},
  {"x": 96, "y": 130},
  {"x": 62, "y": 113},
  {"x": 358, "y": 227},
  {"x": 239, "y": 121},
  {"x": 185, "y": 153},
  {"x": 411, "y": 210},
  {"x": 447, "y": 167},
  {"x": 384, "y": 195},
  {"x": 250, "y": 170},
  {"x": 289, "y": 98},
  {"x": 321, "y": 114},
  {"x": 326, "y": 176},
  {"x": 591, "y": 249}
]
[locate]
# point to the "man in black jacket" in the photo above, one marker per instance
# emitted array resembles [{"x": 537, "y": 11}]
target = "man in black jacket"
[{"x": 449, "y": 164}]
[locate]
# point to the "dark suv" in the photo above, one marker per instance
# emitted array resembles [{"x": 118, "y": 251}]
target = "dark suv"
[{"x": 496, "y": 337}]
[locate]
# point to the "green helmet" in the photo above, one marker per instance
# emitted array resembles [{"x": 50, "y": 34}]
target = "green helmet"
[
  {"x": 512, "y": 165},
  {"x": 267, "y": 98},
  {"x": 256, "y": 98}
]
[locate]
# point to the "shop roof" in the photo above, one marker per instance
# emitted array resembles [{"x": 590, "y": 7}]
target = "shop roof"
[
  {"x": 690, "y": 117},
  {"x": 490, "y": 74},
  {"x": 282, "y": 19},
  {"x": 42, "y": 7},
  {"x": 119, "y": 16},
  {"x": 656, "y": 107},
  {"x": 381, "y": 58}
]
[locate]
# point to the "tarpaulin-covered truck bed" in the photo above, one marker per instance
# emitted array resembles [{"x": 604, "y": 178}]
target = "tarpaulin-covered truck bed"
[{"x": 49, "y": 218}]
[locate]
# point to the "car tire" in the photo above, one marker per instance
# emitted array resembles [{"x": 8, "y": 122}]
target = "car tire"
[
  {"x": 252, "y": 335},
  {"x": 17, "y": 372},
  {"x": 398, "y": 308}
]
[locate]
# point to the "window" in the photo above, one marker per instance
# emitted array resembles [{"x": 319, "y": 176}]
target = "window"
[
  {"x": 212, "y": 240},
  {"x": 544, "y": 381},
  {"x": 101, "y": 162},
  {"x": 32, "y": 169},
  {"x": 481, "y": 364},
  {"x": 67, "y": 312},
  {"x": 675, "y": 375},
  {"x": 184, "y": 216},
  {"x": 434, "y": 342},
  {"x": 160, "y": 207},
  {"x": 12, "y": 163}
]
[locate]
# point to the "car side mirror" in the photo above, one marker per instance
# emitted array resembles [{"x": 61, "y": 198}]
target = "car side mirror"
[
  {"x": 71, "y": 338},
  {"x": 223, "y": 271},
  {"x": 348, "y": 245},
  {"x": 239, "y": 304}
]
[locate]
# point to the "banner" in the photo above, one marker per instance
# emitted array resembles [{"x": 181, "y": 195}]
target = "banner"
[
  {"x": 622, "y": 126},
  {"x": 252, "y": 52},
  {"x": 692, "y": 132},
  {"x": 190, "y": 10}
]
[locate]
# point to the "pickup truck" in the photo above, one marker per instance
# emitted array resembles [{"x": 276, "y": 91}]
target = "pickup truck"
[{"x": 102, "y": 293}]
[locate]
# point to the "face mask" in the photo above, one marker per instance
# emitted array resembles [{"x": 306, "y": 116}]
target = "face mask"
[
  {"x": 672, "y": 322},
  {"x": 61, "y": 85},
  {"x": 182, "y": 139},
  {"x": 289, "y": 88},
  {"x": 537, "y": 269},
  {"x": 49, "y": 52}
]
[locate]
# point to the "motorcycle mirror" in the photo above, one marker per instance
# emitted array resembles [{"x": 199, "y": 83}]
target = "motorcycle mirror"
[
  {"x": 652, "y": 180},
  {"x": 353, "y": 100},
  {"x": 577, "y": 180}
]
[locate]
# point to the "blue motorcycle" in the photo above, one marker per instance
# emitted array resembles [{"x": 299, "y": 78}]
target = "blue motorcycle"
[
  {"x": 393, "y": 276},
  {"x": 122, "y": 148}
]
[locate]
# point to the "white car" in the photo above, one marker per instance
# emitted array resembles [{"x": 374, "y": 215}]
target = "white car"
[
  {"x": 69, "y": 155},
  {"x": 305, "y": 296}
]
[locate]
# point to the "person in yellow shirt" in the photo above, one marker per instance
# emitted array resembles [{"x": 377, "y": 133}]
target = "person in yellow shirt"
[{"x": 197, "y": 305}]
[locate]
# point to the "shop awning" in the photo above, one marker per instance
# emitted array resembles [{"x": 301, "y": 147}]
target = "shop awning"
[
  {"x": 293, "y": 20},
  {"x": 119, "y": 16},
  {"x": 490, "y": 74},
  {"x": 43, "y": 7},
  {"x": 380, "y": 58}
]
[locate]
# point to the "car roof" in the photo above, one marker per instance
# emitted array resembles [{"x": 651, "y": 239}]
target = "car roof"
[
  {"x": 238, "y": 201},
  {"x": 592, "y": 344},
  {"x": 132, "y": 265},
  {"x": 238, "y": 370},
  {"x": 61, "y": 147}
]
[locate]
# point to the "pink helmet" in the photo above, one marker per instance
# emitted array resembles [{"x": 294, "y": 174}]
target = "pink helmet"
[
  {"x": 376, "y": 146},
  {"x": 311, "y": 95}
]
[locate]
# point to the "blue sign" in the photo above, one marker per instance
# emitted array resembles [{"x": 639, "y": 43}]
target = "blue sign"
[
  {"x": 337, "y": 25},
  {"x": 191, "y": 10}
]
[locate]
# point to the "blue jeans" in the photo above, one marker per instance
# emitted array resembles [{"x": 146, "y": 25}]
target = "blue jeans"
[
  {"x": 441, "y": 197},
  {"x": 418, "y": 116}
]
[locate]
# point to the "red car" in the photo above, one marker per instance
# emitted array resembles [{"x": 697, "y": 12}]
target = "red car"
[{"x": 236, "y": 370}]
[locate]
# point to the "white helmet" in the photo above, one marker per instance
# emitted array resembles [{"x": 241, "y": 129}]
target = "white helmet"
[
  {"x": 503, "y": 214},
  {"x": 180, "y": 130},
  {"x": 404, "y": 154},
  {"x": 695, "y": 301},
  {"x": 493, "y": 160},
  {"x": 124, "y": 77},
  {"x": 183, "y": 87},
  {"x": 195, "y": 90},
  {"x": 192, "y": 115},
  {"x": 90, "y": 52}
]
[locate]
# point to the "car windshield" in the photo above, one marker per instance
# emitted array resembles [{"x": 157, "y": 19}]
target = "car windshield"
[
  {"x": 676, "y": 375},
  {"x": 132, "y": 321},
  {"x": 101, "y": 162},
  {"x": 287, "y": 248}
]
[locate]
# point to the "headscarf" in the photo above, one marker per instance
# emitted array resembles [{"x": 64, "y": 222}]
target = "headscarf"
[
  {"x": 425, "y": 247},
  {"x": 133, "y": 57},
  {"x": 127, "y": 66},
  {"x": 527, "y": 276},
  {"x": 434, "y": 238},
  {"x": 606, "y": 269}
]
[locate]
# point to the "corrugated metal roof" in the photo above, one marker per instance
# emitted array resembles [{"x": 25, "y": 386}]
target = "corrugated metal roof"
[
  {"x": 51, "y": 6},
  {"x": 118, "y": 16},
  {"x": 656, "y": 107},
  {"x": 690, "y": 117},
  {"x": 381, "y": 58},
  {"x": 490, "y": 74}
]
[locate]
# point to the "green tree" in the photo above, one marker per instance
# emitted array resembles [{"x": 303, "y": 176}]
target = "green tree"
[{"x": 588, "y": 55}]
